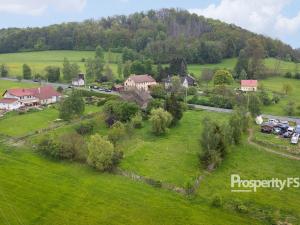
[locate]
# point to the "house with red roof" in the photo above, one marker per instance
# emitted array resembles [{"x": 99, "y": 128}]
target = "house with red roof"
[
  {"x": 249, "y": 85},
  {"x": 19, "y": 97},
  {"x": 139, "y": 82}
]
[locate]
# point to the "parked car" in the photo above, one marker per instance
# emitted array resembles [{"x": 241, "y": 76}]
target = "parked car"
[
  {"x": 297, "y": 129},
  {"x": 291, "y": 129},
  {"x": 283, "y": 127},
  {"x": 284, "y": 122},
  {"x": 273, "y": 121},
  {"x": 295, "y": 139},
  {"x": 287, "y": 134},
  {"x": 279, "y": 131},
  {"x": 266, "y": 128},
  {"x": 107, "y": 90}
]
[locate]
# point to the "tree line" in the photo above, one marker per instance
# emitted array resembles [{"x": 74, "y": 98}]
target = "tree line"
[{"x": 159, "y": 35}]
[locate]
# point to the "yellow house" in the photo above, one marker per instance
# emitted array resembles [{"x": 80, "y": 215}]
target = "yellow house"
[{"x": 140, "y": 82}]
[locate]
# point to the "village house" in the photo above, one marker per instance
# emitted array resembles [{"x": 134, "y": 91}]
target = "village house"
[
  {"x": 186, "y": 81},
  {"x": 249, "y": 85},
  {"x": 79, "y": 80},
  {"x": 20, "y": 97},
  {"x": 140, "y": 82}
]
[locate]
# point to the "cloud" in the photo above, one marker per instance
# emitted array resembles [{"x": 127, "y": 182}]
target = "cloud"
[
  {"x": 261, "y": 16},
  {"x": 39, "y": 7}
]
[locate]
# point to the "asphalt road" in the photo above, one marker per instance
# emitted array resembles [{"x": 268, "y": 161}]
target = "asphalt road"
[
  {"x": 56, "y": 85},
  {"x": 221, "y": 110}
]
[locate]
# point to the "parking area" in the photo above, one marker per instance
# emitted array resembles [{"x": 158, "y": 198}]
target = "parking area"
[{"x": 288, "y": 130}]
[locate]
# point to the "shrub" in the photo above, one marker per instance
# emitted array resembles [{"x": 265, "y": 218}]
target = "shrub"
[
  {"x": 137, "y": 121},
  {"x": 85, "y": 128},
  {"x": 101, "y": 154},
  {"x": 116, "y": 133},
  {"x": 160, "y": 120},
  {"x": 297, "y": 76},
  {"x": 192, "y": 91},
  {"x": 222, "y": 77},
  {"x": 288, "y": 75},
  {"x": 217, "y": 201},
  {"x": 70, "y": 146}
]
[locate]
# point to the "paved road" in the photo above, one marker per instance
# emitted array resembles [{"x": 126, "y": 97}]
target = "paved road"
[
  {"x": 56, "y": 85},
  {"x": 221, "y": 110}
]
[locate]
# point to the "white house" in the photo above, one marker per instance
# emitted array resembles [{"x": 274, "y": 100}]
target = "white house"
[
  {"x": 248, "y": 85},
  {"x": 79, "y": 81},
  {"x": 9, "y": 104},
  {"x": 140, "y": 82},
  {"x": 18, "y": 97}
]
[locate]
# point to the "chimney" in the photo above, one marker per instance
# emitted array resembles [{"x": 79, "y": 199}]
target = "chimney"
[{"x": 39, "y": 90}]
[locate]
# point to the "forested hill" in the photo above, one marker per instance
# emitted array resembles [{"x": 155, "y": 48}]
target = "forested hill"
[{"x": 160, "y": 35}]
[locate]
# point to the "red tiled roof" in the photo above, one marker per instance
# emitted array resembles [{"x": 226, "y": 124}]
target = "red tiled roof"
[
  {"x": 42, "y": 93},
  {"x": 249, "y": 83},
  {"x": 8, "y": 100},
  {"x": 19, "y": 92},
  {"x": 142, "y": 78}
]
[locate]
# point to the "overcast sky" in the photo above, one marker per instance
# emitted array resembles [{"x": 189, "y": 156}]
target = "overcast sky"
[{"x": 276, "y": 18}]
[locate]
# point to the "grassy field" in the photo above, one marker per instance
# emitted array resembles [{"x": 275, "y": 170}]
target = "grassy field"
[
  {"x": 173, "y": 158},
  {"x": 19, "y": 125},
  {"x": 39, "y": 60},
  {"x": 252, "y": 163},
  {"x": 270, "y": 63},
  {"x": 53, "y": 190},
  {"x": 275, "y": 84},
  {"x": 4, "y": 85},
  {"x": 34, "y": 190}
]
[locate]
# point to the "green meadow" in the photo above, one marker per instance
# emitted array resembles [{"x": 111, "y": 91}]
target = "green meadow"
[
  {"x": 270, "y": 63},
  {"x": 275, "y": 84},
  {"x": 39, "y": 60}
]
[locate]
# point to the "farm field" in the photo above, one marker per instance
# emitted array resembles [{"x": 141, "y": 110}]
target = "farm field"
[{"x": 39, "y": 60}]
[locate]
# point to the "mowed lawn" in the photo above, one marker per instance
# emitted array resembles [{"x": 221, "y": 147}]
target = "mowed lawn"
[
  {"x": 34, "y": 190},
  {"x": 275, "y": 84},
  {"x": 171, "y": 158},
  {"x": 39, "y": 60}
]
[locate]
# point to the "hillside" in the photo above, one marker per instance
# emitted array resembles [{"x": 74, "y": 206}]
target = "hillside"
[
  {"x": 38, "y": 60},
  {"x": 160, "y": 35}
]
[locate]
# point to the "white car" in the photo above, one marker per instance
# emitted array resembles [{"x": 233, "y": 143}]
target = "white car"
[
  {"x": 273, "y": 121},
  {"x": 295, "y": 138},
  {"x": 291, "y": 129}
]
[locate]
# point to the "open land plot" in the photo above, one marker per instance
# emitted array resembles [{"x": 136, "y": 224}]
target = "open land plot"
[
  {"x": 34, "y": 190},
  {"x": 270, "y": 63},
  {"x": 255, "y": 164},
  {"x": 275, "y": 84},
  {"x": 171, "y": 158},
  {"x": 39, "y": 60}
]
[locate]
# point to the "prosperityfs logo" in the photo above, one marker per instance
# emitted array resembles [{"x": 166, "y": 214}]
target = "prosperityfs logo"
[{"x": 240, "y": 185}]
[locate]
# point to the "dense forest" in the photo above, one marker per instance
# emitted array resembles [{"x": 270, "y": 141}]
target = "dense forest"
[{"x": 159, "y": 35}]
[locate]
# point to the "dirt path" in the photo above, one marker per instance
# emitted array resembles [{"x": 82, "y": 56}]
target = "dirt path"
[{"x": 268, "y": 149}]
